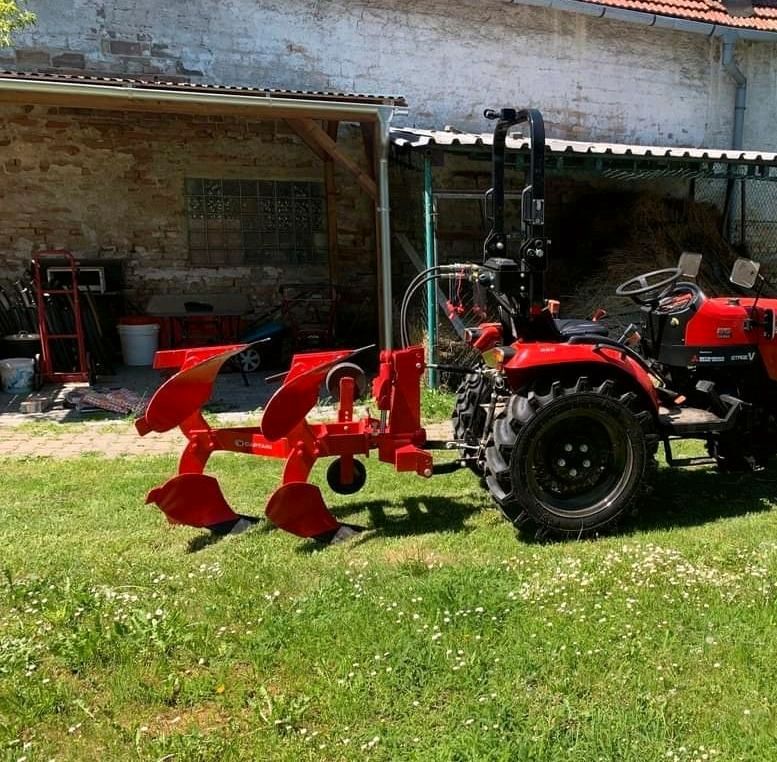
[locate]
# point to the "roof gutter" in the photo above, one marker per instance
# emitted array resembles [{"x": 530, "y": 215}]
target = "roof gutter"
[
  {"x": 652, "y": 19},
  {"x": 123, "y": 96}
]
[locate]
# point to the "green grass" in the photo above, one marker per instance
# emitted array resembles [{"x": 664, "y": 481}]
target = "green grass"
[
  {"x": 102, "y": 423},
  {"x": 435, "y": 635},
  {"x": 436, "y": 404}
]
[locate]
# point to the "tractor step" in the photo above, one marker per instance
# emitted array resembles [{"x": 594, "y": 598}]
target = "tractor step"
[{"x": 693, "y": 421}]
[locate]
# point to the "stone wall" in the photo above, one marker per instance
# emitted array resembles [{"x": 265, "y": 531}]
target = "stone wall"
[
  {"x": 109, "y": 183},
  {"x": 594, "y": 79}
]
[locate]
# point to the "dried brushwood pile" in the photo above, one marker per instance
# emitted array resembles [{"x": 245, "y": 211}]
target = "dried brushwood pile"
[{"x": 658, "y": 231}]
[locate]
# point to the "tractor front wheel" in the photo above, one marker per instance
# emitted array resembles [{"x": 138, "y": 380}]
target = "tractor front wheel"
[{"x": 570, "y": 462}]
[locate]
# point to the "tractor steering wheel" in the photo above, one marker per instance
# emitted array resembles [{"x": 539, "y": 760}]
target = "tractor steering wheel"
[{"x": 641, "y": 285}]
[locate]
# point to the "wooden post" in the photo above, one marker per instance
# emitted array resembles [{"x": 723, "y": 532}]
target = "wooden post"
[{"x": 330, "y": 187}]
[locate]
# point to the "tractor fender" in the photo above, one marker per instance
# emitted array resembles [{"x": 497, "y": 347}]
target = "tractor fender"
[{"x": 531, "y": 359}]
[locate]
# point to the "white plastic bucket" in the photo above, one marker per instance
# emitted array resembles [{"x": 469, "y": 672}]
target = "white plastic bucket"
[
  {"x": 139, "y": 343},
  {"x": 16, "y": 374}
]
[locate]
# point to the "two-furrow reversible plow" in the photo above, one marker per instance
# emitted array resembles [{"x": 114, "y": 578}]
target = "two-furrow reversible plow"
[{"x": 194, "y": 498}]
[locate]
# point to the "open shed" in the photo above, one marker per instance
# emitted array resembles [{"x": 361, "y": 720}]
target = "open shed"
[{"x": 171, "y": 188}]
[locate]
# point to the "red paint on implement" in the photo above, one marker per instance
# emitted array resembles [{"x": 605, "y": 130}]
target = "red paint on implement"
[
  {"x": 290, "y": 404},
  {"x": 298, "y": 507},
  {"x": 192, "y": 499},
  {"x": 186, "y": 392}
]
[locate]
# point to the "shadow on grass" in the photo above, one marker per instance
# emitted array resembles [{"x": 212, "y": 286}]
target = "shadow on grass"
[
  {"x": 679, "y": 498},
  {"x": 205, "y": 540},
  {"x": 690, "y": 497},
  {"x": 202, "y": 541},
  {"x": 413, "y": 516}
]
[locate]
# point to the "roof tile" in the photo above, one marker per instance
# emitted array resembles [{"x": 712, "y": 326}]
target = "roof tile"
[{"x": 764, "y": 16}]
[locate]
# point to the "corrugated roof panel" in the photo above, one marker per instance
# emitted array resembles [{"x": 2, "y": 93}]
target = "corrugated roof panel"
[
  {"x": 416, "y": 138},
  {"x": 169, "y": 85}
]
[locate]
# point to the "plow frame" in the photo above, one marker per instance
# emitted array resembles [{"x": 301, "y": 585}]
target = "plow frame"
[{"x": 193, "y": 498}]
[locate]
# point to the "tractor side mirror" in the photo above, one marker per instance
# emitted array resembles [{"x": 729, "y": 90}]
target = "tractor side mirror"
[
  {"x": 689, "y": 264},
  {"x": 744, "y": 273}
]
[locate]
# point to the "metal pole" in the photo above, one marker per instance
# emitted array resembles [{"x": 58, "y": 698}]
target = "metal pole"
[
  {"x": 384, "y": 217},
  {"x": 429, "y": 250}
]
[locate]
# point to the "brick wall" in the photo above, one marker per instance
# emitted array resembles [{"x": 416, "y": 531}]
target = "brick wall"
[{"x": 108, "y": 183}]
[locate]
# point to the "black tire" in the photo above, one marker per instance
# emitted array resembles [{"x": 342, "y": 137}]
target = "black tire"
[
  {"x": 469, "y": 415},
  {"x": 334, "y": 481},
  {"x": 570, "y": 462}
]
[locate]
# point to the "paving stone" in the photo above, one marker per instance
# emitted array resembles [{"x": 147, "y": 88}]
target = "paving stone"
[{"x": 234, "y": 403}]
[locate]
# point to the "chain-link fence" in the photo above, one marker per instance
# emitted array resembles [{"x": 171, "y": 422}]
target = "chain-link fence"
[{"x": 748, "y": 206}]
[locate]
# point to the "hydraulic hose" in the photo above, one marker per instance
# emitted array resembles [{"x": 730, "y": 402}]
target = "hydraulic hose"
[{"x": 430, "y": 273}]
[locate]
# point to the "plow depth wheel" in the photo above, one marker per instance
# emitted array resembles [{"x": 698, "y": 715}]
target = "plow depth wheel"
[
  {"x": 346, "y": 370},
  {"x": 570, "y": 462},
  {"x": 335, "y": 479}
]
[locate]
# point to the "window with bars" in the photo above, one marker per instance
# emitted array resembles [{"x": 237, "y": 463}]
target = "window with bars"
[{"x": 235, "y": 222}]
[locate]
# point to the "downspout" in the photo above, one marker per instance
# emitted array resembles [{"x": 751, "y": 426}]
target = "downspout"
[
  {"x": 740, "y": 104},
  {"x": 740, "y": 99},
  {"x": 384, "y": 223}
]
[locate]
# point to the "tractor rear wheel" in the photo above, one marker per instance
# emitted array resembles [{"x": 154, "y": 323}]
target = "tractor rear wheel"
[
  {"x": 570, "y": 462},
  {"x": 469, "y": 416}
]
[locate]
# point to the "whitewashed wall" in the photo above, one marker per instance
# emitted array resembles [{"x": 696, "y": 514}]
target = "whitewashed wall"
[{"x": 593, "y": 79}]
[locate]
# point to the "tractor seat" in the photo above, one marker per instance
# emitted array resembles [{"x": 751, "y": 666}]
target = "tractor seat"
[{"x": 575, "y": 327}]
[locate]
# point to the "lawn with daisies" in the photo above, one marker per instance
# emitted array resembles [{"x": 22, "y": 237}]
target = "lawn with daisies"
[{"x": 434, "y": 635}]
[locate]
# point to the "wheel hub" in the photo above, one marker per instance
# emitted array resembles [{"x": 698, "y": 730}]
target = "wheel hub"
[
  {"x": 575, "y": 457},
  {"x": 575, "y": 463}
]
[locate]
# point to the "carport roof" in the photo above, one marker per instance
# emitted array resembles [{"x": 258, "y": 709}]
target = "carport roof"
[
  {"x": 160, "y": 84},
  {"x": 417, "y": 138},
  {"x": 138, "y": 94},
  {"x": 615, "y": 160}
]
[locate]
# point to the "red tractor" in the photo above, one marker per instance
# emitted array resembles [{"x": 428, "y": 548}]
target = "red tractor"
[{"x": 562, "y": 420}]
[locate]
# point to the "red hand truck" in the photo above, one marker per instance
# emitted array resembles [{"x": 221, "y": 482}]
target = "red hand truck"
[{"x": 42, "y": 290}]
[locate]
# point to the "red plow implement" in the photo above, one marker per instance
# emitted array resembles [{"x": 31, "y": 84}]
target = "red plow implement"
[{"x": 195, "y": 499}]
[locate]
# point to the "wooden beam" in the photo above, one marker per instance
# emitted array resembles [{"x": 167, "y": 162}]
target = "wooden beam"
[
  {"x": 293, "y": 125},
  {"x": 325, "y": 143},
  {"x": 330, "y": 187}
]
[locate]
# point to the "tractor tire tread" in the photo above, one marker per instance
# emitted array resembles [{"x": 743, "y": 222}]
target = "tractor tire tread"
[{"x": 520, "y": 409}]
